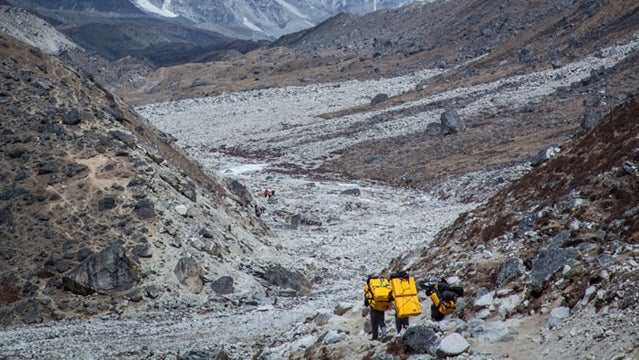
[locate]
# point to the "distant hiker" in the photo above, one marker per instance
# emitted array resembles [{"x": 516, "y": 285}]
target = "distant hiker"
[
  {"x": 443, "y": 296},
  {"x": 266, "y": 193},
  {"x": 269, "y": 193},
  {"x": 377, "y": 296}
]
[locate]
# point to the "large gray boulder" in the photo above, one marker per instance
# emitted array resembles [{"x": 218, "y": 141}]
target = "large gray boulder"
[
  {"x": 546, "y": 263},
  {"x": 452, "y": 344},
  {"x": 223, "y": 285},
  {"x": 109, "y": 270},
  {"x": 284, "y": 278},
  {"x": 451, "y": 123},
  {"x": 188, "y": 272}
]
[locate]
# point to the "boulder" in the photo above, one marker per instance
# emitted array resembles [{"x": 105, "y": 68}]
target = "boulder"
[
  {"x": 342, "y": 308},
  {"x": 71, "y": 117},
  {"x": 48, "y": 168},
  {"x": 300, "y": 219},
  {"x": 223, "y": 285},
  {"x": 452, "y": 345},
  {"x": 379, "y": 98},
  {"x": 241, "y": 192},
  {"x": 558, "y": 316},
  {"x": 144, "y": 209},
  {"x": 512, "y": 268},
  {"x": 451, "y": 123},
  {"x": 353, "y": 192},
  {"x": 490, "y": 332},
  {"x": 109, "y": 270},
  {"x": 546, "y": 263},
  {"x": 284, "y": 278},
  {"x": 188, "y": 273},
  {"x": 106, "y": 203},
  {"x": 128, "y": 139},
  {"x": 484, "y": 300},
  {"x": 74, "y": 169},
  {"x": 420, "y": 339}
]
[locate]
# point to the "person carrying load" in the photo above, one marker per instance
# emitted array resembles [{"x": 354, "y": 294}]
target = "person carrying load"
[
  {"x": 377, "y": 295},
  {"x": 443, "y": 296},
  {"x": 404, "y": 296}
]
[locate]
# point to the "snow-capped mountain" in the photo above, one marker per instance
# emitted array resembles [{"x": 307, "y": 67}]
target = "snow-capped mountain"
[{"x": 261, "y": 18}]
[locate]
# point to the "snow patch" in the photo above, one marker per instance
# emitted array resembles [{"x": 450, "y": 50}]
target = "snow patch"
[
  {"x": 291, "y": 8},
  {"x": 246, "y": 168},
  {"x": 148, "y": 7},
  {"x": 246, "y": 22}
]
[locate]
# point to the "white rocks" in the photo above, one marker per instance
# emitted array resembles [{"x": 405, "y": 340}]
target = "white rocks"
[
  {"x": 181, "y": 210},
  {"x": 509, "y": 305},
  {"x": 484, "y": 300},
  {"x": 504, "y": 292},
  {"x": 558, "y": 316},
  {"x": 588, "y": 294},
  {"x": 483, "y": 314},
  {"x": 452, "y": 345}
]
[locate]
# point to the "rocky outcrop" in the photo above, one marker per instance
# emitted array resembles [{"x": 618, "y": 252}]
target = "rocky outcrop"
[{"x": 107, "y": 271}]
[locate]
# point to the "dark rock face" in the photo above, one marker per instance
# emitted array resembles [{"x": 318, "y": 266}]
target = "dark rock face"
[
  {"x": 301, "y": 219},
  {"x": 223, "y": 285},
  {"x": 109, "y": 270},
  {"x": 106, "y": 203},
  {"x": 451, "y": 123},
  {"x": 241, "y": 191},
  {"x": 420, "y": 339},
  {"x": 511, "y": 269},
  {"x": 284, "y": 278},
  {"x": 145, "y": 209},
  {"x": 379, "y": 98},
  {"x": 546, "y": 263}
]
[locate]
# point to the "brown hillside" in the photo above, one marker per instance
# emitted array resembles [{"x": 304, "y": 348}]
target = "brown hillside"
[
  {"x": 79, "y": 173},
  {"x": 584, "y": 200}
]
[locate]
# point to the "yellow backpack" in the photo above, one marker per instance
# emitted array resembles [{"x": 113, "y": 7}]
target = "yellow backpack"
[{"x": 377, "y": 292}]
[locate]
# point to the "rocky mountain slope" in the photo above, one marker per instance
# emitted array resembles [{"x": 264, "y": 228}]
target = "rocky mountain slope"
[
  {"x": 117, "y": 30},
  {"x": 97, "y": 203}
]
